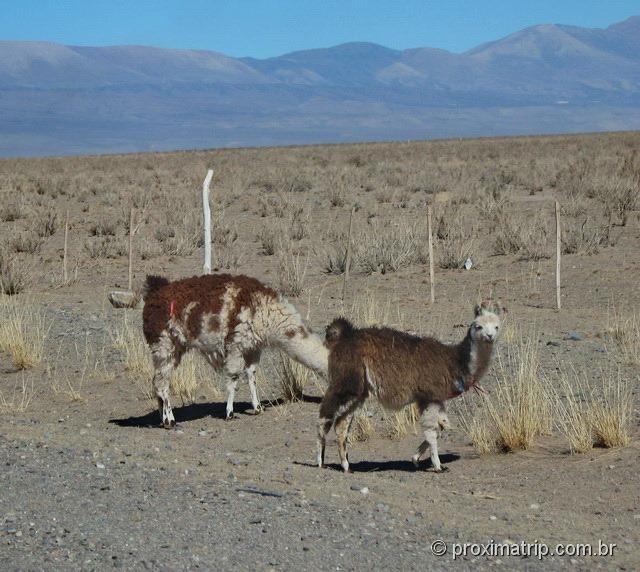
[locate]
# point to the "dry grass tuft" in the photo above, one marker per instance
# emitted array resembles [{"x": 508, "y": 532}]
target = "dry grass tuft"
[
  {"x": 292, "y": 377},
  {"x": 23, "y": 330},
  {"x": 573, "y": 411},
  {"x": 476, "y": 423},
  {"x": 611, "y": 412},
  {"x": 20, "y": 399},
  {"x": 362, "y": 426},
  {"x": 520, "y": 406},
  {"x": 14, "y": 278},
  {"x": 624, "y": 331},
  {"x": 293, "y": 272},
  {"x": 399, "y": 424}
]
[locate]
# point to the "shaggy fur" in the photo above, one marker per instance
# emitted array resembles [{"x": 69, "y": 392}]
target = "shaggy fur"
[
  {"x": 229, "y": 319},
  {"x": 399, "y": 369}
]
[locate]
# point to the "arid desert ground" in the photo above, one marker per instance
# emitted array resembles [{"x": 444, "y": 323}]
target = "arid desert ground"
[{"x": 549, "y": 455}]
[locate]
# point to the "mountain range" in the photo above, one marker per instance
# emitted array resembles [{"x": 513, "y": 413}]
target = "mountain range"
[{"x": 57, "y": 99}]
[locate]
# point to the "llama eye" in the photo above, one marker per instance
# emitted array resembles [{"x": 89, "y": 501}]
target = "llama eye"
[{"x": 478, "y": 327}]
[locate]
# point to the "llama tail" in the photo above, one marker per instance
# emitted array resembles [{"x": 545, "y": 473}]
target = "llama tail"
[
  {"x": 152, "y": 284},
  {"x": 339, "y": 329}
]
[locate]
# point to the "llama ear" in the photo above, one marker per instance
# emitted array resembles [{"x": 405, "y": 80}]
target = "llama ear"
[{"x": 477, "y": 310}]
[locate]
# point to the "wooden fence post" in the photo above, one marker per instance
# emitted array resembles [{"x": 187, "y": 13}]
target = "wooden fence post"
[
  {"x": 431, "y": 278},
  {"x": 131, "y": 233},
  {"x": 558, "y": 254},
  {"x": 206, "y": 209},
  {"x": 347, "y": 263},
  {"x": 65, "y": 256}
]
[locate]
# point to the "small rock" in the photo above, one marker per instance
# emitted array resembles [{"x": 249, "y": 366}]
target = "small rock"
[
  {"x": 575, "y": 336},
  {"x": 534, "y": 506},
  {"x": 493, "y": 517},
  {"x": 99, "y": 466},
  {"x": 554, "y": 344},
  {"x": 364, "y": 490},
  {"x": 202, "y": 433}
]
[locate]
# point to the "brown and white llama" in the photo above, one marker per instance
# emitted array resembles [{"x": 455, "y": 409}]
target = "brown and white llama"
[
  {"x": 398, "y": 369},
  {"x": 229, "y": 319}
]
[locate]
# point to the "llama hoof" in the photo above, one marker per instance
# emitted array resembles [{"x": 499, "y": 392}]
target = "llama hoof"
[
  {"x": 229, "y": 416},
  {"x": 322, "y": 466},
  {"x": 257, "y": 410},
  {"x": 168, "y": 424},
  {"x": 441, "y": 470},
  {"x": 416, "y": 462}
]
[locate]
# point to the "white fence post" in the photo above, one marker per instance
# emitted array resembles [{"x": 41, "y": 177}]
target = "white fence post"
[{"x": 207, "y": 221}]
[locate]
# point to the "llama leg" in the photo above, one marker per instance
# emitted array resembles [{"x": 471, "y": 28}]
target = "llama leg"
[
  {"x": 324, "y": 426},
  {"x": 165, "y": 358},
  {"x": 232, "y": 385},
  {"x": 234, "y": 369},
  {"x": 422, "y": 449},
  {"x": 342, "y": 431},
  {"x": 333, "y": 404},
  {"x": 252, "y": 361},
  {"x": 431, "y": 419},
  {"x": 431, "y": 435}
]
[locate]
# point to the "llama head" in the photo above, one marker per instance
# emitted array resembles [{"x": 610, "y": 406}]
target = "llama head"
[{"x": 486, "y": 323}]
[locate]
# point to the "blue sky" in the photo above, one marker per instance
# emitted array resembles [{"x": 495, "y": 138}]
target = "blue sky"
[{"x": 263, "y": 28}]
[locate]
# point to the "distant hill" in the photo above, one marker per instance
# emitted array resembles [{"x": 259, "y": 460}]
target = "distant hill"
[{"x": 57, "y": 99}]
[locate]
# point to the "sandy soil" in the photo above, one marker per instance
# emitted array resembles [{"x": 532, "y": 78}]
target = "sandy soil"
[{"x": 91, "y": 482}]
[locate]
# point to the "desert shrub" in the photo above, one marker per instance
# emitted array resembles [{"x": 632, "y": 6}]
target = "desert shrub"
[
  {"x": 268, "y": 241},
  {"x": 103, "y": 227},
  {"x": 299, "y": 185},
  {"x": 525, "y": 236},
  {"x": 11, "y": 212},
  {"x": 46, "y": 224},
  {"x": 23, "y": 330},
  {"x": 336, "y": 260},
  {"x": 223, "y": 234},
  {"x": 14, "y": 277},
  {"x": 620, "y": 197},
  {"x": 386, "y": 247},
  {"x": 27, "y": 243},
  {"x": 164, "y": 233},
  {"x": 105, "y": 247},
  {"x": 228, "y": 257},
  {"x": 585, "y": 239},
  {"x": 292, "y": 273},
  {"x": 336, "y": 197},
  {"x": 453, "y": 251}
]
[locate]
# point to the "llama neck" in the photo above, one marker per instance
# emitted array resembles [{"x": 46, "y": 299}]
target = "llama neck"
[
  {"x": 474, "y": 357},
  {"x": 306, "y": 348}
]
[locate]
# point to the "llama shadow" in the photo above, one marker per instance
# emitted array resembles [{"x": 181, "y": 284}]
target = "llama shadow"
[
  {"x": 376, "y": 466},
  {"x": 182, "y": 414},
  {"x": 197, "y": 411}
]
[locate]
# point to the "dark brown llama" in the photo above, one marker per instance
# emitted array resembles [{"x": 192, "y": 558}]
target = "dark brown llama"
[
  {"x": 229, "y": 319},
  {"x": 399, "y": 369}
]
